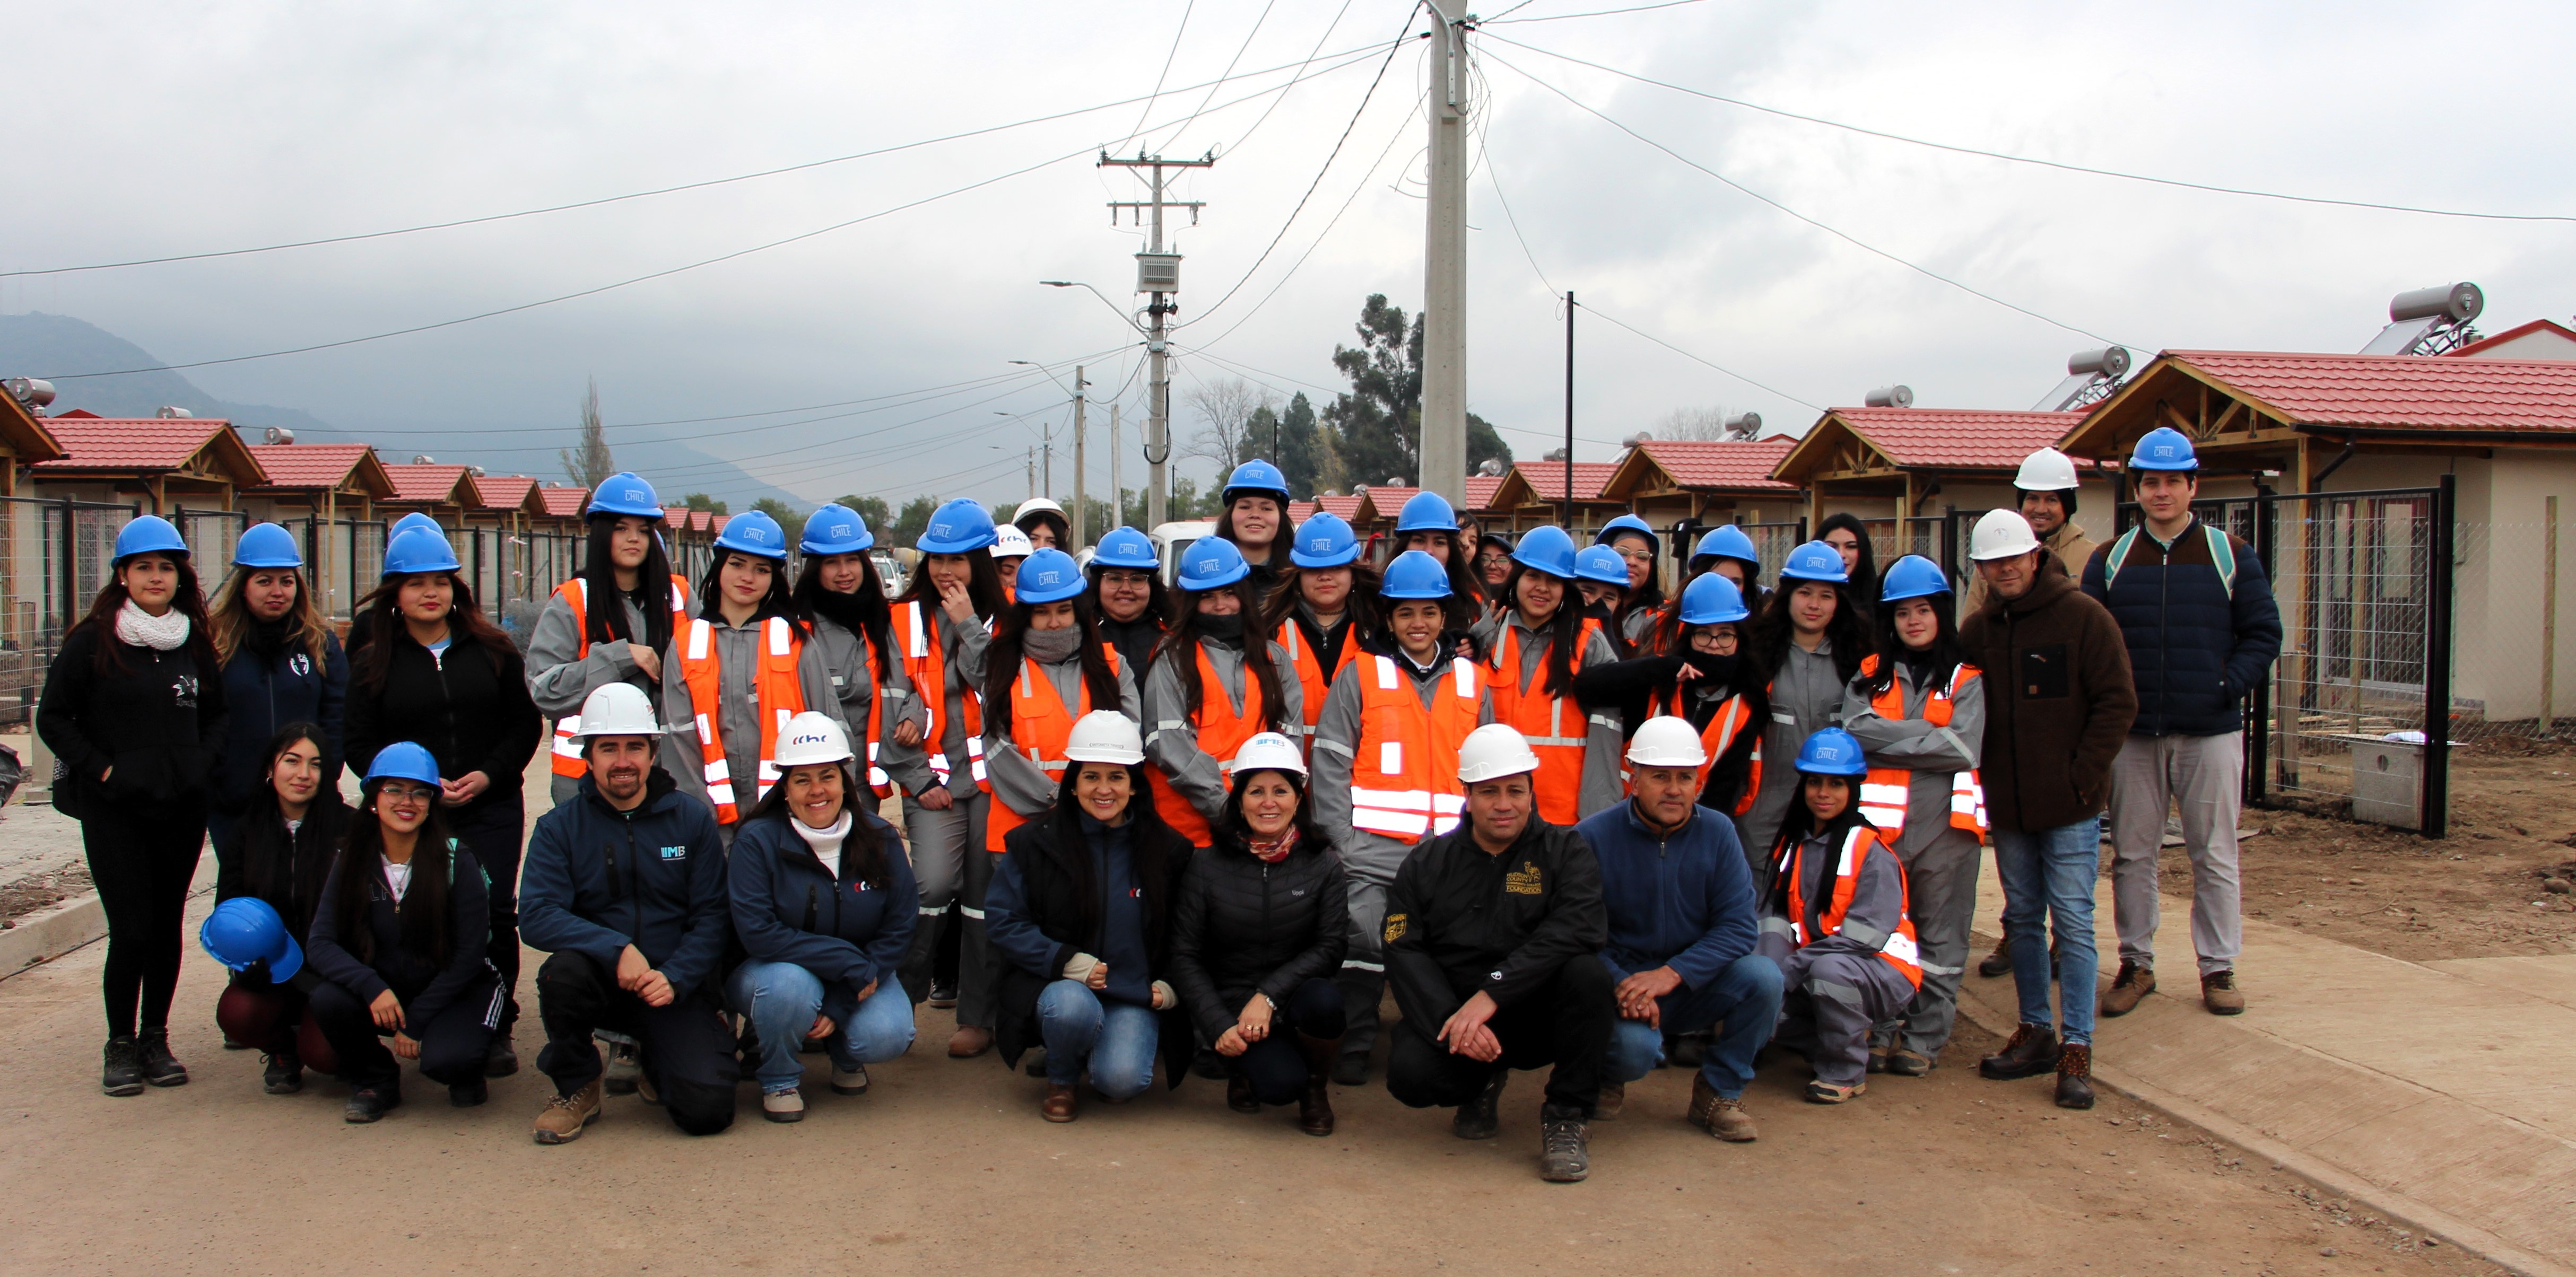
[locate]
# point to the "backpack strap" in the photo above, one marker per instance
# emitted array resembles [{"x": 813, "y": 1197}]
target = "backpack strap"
[
  {"x": 2222, "y": 555},
  {"x": 2119, "y": 553}
]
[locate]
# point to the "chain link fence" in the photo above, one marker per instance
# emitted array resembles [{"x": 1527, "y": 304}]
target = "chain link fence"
[{"x": 55, "y": 556}]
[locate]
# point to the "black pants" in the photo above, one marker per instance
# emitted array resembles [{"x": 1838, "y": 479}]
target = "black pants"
[
  {"x": 141, "y": 856},
  {"x": 492, "y": 834},
  {"x": 688, "y": 1046},
  {"x": 259, "y": 1014},
  {"x": 452, "y": 1044},
  {"x": 1564, "y": 1026},
  {"x": 1274, "y": 1065}
]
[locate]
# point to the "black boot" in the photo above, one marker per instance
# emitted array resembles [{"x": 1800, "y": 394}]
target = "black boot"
[
  {"x": 159, "y": 1068},
  {"x": 1476, "y": 1118},
  {"x": 1315, "y": 1107},
  {"x": 284, "y": 1074},
  {"x": 2075, "y": 1076},
  {"x": 2032, "y": 1051},
  {"x": 368, "y": 1103},
  {"x": 1239, "y": 1096},
  {"x": 502, "y": 1058},
  {"x": 122, "y": 1073}
]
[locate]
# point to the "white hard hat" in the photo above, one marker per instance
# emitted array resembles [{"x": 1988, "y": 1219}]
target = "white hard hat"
[
  {"x": 2001, "y": 534},
  {"x": 1492, "y": 752},
  {"x": 1105, "y": 736},
  {"x": 1035, "y": 505},
  {"x": 2046, "y": 470},
  {"x": 812, "y": 738},
  {"x": 1009, "y": 541},
  {"x": 1269, "y": 752},
  {"x": 619, "y": 709},
  {"x": 1666, "y": 741}
]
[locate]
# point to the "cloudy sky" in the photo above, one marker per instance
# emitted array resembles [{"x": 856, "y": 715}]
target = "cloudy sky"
[{"x": 152, "y": 130}]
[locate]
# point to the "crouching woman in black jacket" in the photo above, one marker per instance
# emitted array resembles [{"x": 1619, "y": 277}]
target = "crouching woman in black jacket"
[
  {"x": 1080, "y": 917},
  {"x": 1260, "y": 930},
  {"x": 398, "y": 941},
  {"x": 287, "y": 841}
]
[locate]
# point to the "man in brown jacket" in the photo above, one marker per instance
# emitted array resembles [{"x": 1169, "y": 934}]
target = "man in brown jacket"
[{"x": 2059, "y": 701}]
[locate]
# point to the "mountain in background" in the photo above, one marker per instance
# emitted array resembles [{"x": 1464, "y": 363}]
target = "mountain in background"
[{"x": 35, "y": 343}]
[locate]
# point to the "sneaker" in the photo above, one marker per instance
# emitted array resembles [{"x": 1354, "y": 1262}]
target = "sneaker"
[
  {"x": 469, "y": 1095},
  {"x": 1352, "y": 1069},
  {"x": 2218, "y": 992},
  {"x": 1821, "y": 1091},
  {"x": 1565, "y": 1154},
  {"x": 1614, "y": 1096},
  {"x": 152, "y": 1049},
  {"x": 1476, "y": 1119},
  {"x": 281, "y": 1074},
  {"x": 624, "y": 1066},
  {"x": 502, "y": 1059},
  {"x": 2031, "y": 1051},
  {"x": 782, "y": 1106},
  {"x": 368, "y": 1103},
  {"x": 2075, "y": 1076},
  {"x": 566, "y": 1115},
  {"x": 645, "y": 1090},
  {"x": 1877, "y": 1060},
  {"x": 1998, "y": 963},
  {"x": 943, "y": 996},
  {"x": 1908, "y": 1062},
  {"x": 121, "y": 1072},
  {"x": 968, "y": 1042},
  {"x": 2135, "y": 981},
  {"x": 850, "y": 1081},
  {"x": 1719, "y": 1115}
]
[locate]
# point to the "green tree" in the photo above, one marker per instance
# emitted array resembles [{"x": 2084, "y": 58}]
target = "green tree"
[
  {"x": 701, "y": 501},
  {"x": 781, "y": 511},
  {"x": 589, "y": 461},
  {"x": 911, "y": 521},
  {"x": 879, "y": 515},
  {"x": 1377, "y": 423},
  {"x": 1301, "y": 455}
]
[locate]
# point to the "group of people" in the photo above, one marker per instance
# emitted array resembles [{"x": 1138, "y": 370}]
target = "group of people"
[{"x": 1204, "y": 817}]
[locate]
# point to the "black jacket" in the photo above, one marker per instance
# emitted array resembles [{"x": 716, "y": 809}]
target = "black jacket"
[
  {"x": 468, "y": 706},
  {"x": 1242, "y": 926},
  {"x": 1036, "y": 883},
  {"x": 1460, "y": 922},
  {"x": 1630, "y": 687},
  {"x": 597, "y": 879},
  {"x": 418, "y": 980},
  {"x": 270, "y": 682},
  {"x": 286, "y": 868},
  {"x": 156, "y": 723},
  {"x": 2196, "y": 646}
]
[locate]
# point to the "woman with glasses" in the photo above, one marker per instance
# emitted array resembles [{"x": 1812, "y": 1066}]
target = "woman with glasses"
[{"x": 1710, "y": 679}]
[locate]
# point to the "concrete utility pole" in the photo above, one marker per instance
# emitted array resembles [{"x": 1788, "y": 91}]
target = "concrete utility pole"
[
  {"x": 1079, "y": 385},
  {"x": 1117, "y": 494},
  {"x": 1033, "y": 472},
  {"x": 1158, "y": 273},
  {"x": 1443, "y": 453}
]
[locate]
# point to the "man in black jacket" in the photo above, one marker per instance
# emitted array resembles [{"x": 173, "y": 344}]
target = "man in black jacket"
[
  {"x": 625, "y": 887},
  {"x": 1493, "y": 943}
]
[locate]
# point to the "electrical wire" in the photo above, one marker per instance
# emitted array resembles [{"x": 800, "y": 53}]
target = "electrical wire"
[
  {"x": 1500, "y": 20},
  {"x": 1240, "y": 50},
  {"x": 1597, "y": 313},
  {"x": 1175, "y": 52},
  {"x": 1329, "y": 29}
]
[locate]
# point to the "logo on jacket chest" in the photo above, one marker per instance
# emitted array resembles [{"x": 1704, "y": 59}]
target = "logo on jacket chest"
[
  {"x": 675, "y": 853},
  {"x": 1523, "y": 881},
  {"x": 183, "y": 691},
  {"x": 300, "y": 665}
]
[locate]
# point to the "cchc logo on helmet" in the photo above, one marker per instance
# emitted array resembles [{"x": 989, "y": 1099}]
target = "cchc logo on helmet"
[{"x": 809, "y": 738}]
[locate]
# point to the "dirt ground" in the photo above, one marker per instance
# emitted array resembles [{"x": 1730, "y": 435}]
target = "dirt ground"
[{"x": 39, "y": 892}]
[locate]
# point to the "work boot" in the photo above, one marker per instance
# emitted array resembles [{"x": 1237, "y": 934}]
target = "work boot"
[
  {"x": 1352, "y": 1069},
  {"x": 782, "y": 1106},
  {"x": 368, "y": 1103},
  {"x": 152, "y": 1051},
  {"x": 1476, "y": 1119},
  {"x": 968, "y": 1042},
  {"x": 1210, "y": 1065},
  {"x": 1315, "y": 1107},
  {"x": 646, "y": 1091},
  {"x": 2031, "y": 1052},
  {"x": 122, "y": 1071},
  {"x": 850, "y": 1081},
  {"x": 502, "y": 1059},
  {"x": 1821, "y": 1091},
  {"x": 1239, "y": 1096},
  {"x": 1725, "y": 1118},
  {"x": 1877, "y": 1060},
  {"x": 566, "y": 1115},
  {"x": 469, "y": 1095},
  {"x": 1061, "y": 1103},
  {"x": 624, "y": 1066},
  {"x": 1908, "y": 1062},
  {"x": 1565, "y": 1154},
  {"x": 2075, "y": 1076},
  {"x": 2219, "y": 993},
  {"x": 943, "y": 996},
  {"x": 2135, "y": 981},
  {"x": 1614, "y": 1096},
  {"x": 281, "y": 1073},
  {"x": 1997, "y": 963}
]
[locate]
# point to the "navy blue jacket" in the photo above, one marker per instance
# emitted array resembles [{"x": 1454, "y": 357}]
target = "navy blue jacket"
[
  {"x": 424, "y": 987},
  {"x": 1685, "y": 902},
  {"x": 845, "y": 931},
  {"x": 264, "y": 691},
  {"x": 2194, "y": 648},
  {"x": 597, "y": 879}
]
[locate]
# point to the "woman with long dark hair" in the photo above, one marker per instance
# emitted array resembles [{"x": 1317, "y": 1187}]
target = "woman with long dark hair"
[
  {"x": 1127, "y": 595},
  {"x": 1809, "y": 638},
  {"x": 1430, "y": 524},
  {"x": 1320, "y": 613},
  {"x": 1709, "y": 677},
  {"x": 843, "y": 603},
  {"x": 1081, "y": 918},
  {"x": 1216, "y": 680},
  {"x": 1535, "y": 646},
  {"x": 610, "y": 623},
  {"x": 435, "y": 672},
  {"x": 399, "y": 941},
  {"x": 282, "y": 664},
  {"x": 1256, "y": 519},
  {"x": 1850, "y": 538},
  {"x": 289, "y": 836},
  {"x": 1043, "y": 522},
  {"x": 738, "y": 670},
  {"x": 133, "y": 709},
  {"x": 1639, "y": 548},
  {"x": 1043, "y": 670}
]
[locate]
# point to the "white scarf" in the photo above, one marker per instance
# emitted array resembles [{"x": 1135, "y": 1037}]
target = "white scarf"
[
  {"x": 163, "y": 633},
  {"x": 825, "y": 842}
]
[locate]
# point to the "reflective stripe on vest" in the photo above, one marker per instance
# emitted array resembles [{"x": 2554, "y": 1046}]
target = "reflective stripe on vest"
[
  {"x": 926, "y": 664},
  {"x": 1222, "y": 729},
  {"x": 1404, "y": 774},
  {"x": 776, "y": 689},
  {"x": 1311, "y": 677},
  {"x": 1040, "y": 725},
  {"x": 1540, "y": 719},
  {"x": 1897, "y": 947},
  {"x": 1884, "y": 792},
  {"x": 1715, "y": 739},
  {"x": 565, "y": 758}
]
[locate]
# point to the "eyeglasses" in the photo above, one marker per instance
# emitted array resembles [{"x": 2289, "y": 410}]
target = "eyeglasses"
[
  {"x": 1638, "y": 556},
  {"x": 1126, "y": 578},
  {"x": 414, "y": 793}
]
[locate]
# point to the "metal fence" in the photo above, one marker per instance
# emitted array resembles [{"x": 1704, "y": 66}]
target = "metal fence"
[{"x": 55, "y": 556}]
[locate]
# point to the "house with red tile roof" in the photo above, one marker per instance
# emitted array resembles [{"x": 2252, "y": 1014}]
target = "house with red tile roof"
[
  {"x": 444, "y": 493},
  {"x": 24, "y": 441},
  {"x": 1905, "y": 471},
  {"x": 1682, "y": 486},
  {"x": 326, "y": 493},
  {"x": 2539, "y": 339},
  {"x": 1533, "y": 494},
  {"x": 162, "y": 463}
]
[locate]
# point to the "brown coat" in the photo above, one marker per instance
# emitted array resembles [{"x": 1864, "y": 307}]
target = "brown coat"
[{"x": 2059, "y": 701}]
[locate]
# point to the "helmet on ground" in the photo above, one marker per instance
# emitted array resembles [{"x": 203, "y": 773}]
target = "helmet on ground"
[
  {"x": 1211, "y": 563},
  {"x": 1011, "y": 543},
  {"x": 1666, "y": 741},
  {"x": 1625, "y": 524},
  {"x": 1414, "y": 575},
  {"x": 1105, "y": 736},
  {"x": 956, "y": 527},
  {"x": 754, "y": 532},
  {"x": 1257, "y": 478},
  {"x": 1324, "y": 540},
  {"x": 1600, "y": 563},
  {"x": 416, "y": 519},
  {"x": 1268, "y": 752},
  {"x": 811, "y": 738},
  {"x": 1492, "y": 752},
  {"x": 1814, "y": 561},
  {"x": 618, "y": 709},
  {"x": 1426, "y": 512},
  {"x": 2163, "y": 448},
  {"x": 246, "y": 929},
  {"x": 2000, "y": 534},
  {"x": 1832, "y": 752},
  {"x": 403, "y": 760},
  {"x": 1913, "y": 577},
  {"x": 623, "y": 493},
  {"x": 419, "y": 550},
  {"x": 1124, "y": 547},
  {"x": 267, "y": 545},
  {"x": 1728, "y": 542},
  {"x": 2046, "y": 470},
  {"x": 1548, "y": 549},
  {"x": 1711, "y": 599},
  {"x": 1037, "y": 505},
  {"x": 148, "y": 534},
  {"x": 1049, "y": 576},
  {"x": 835, "y": 529}
]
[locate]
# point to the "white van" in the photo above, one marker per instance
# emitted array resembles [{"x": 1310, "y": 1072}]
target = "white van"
[{"x": 1172, "y": 538}]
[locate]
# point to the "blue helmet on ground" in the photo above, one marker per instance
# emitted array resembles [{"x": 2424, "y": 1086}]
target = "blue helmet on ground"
[
  {"x": 148, "y": 534},
  {"x": 1415, "y": 575},
  {"x": 1601, "y": 564},
  {"x": 419, "y": 550},
  {"x": 1548, "y": 549},
  {"x": 754, "y": 532},
  {"x": 2163, "y": 448},
  {"x": 1913, "y": 577},
  {"x": 623, "y": 493},
  {"x": 835, "y": 529},
  {"x": 1049, "y": 576},
  {"x": 1324, "y": 540},
  {"x": 1711, "y": 599},
  {"x": 1832, "y": 752},
  {"x": 1814, "y": 561},
  {"x": 1728, "y": 542},
  {"x": 1124, "y": 547},
  {"x": 957, "y": 527},
  {"x": 1426, "y": 512},
  {"x": 1257, "y": 478},
  {"x": 403, "y": 760},
  {"x": 1627, "y": 523},
  {"x": 1211, "y": 563},
  {"x": 415, "y": 519},
  {"x": 246, "y": 929},
  {"x": 266, "y": 545}
]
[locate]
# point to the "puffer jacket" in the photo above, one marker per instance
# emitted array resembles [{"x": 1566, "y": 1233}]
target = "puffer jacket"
[
  {"x": 2196, "y": 646},
  {"x": 1242, "y": 926},
  {"x": 848, "y": 932},
  {"x": 270, "y": 682}
]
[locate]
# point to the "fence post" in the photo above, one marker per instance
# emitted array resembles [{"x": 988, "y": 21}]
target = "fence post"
[
  {"x": 71, "y": 568},
  {"x": 2437, "y": 670},
  {"x": 2258, "y": 741}
]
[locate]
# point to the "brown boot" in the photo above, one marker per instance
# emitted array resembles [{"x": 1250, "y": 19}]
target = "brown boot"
[
  {"x": 1060, "y": 1104},
  {"x": 1999, "y": 962},
  {"x": 2218, "y": 992},
  {"x": 2136, "y": 980},
  {"x": 1315, "y": 1107},
  {"x": 1719, "y": 1116},
  {"x": 566, "y": 1115},
  {"x": 1614, "y": 1097},
  {"x": 1239, "y": 1096},
  {"x": 2075, "y": 1076},
  {"x": 2031, "y": 1052},
  {"x": 969, "y": 1041}
]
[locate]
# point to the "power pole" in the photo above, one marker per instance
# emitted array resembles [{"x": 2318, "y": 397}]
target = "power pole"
[
  {"x": 1443, "y": 451},
  {"x": 1078, "y": 386},
  {"x": 1569, "y": 410},
  {"x": 1033, "y": 471},
  {"x": 1117, "y": 494},
  {"x": 1158, "y": 273}
]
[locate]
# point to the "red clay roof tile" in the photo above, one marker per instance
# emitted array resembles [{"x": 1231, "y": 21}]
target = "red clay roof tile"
[
  {"x": 2404, "y": 391},
  {"x": 308, "y": 465},
  {"x": 424, "y": 484},
  {"x": 128, "y": 443},
  {"x": 1721, "y": 463},
  {"x": 1958, "y": 438}
]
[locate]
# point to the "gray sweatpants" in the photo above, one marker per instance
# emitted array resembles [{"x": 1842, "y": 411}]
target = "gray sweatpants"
[
  {"x": 1941, "y": 897},
  {"x": 1829, "y": 1005},
  {"x": 950, "y": 863},
  {"x": 2205, "y": 775}
]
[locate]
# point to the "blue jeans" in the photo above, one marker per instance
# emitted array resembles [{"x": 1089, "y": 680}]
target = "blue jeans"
[
  {"x": 2050, "y": 875},
  {"x": 1114, "y": 1039},
  {"x": 1742, "y": 1003},
  {"x": 782, "y": 999}
]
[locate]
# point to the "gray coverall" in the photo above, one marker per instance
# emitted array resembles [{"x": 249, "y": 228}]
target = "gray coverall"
[
  {"x": 948, "y": 857},
  {"x": 737, "y": 653},
  {"x": 854, "y": 680},
  {"x": 1602, "y": 745},
  {"x": 1172, "y": 739},
  {"x": 1806, "y": 698},
  {"x": 1020, "y": 783},
  {"x": 561, "y": 676},
  {"x": 1836, "y": 988},
  {"x": 1940, "y": 859}
]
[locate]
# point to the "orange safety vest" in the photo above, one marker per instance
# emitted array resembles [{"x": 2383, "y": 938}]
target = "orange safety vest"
[
  {"x": 1310, "y": 672},
  {"x": 1730, "y": 720},
  {"x": 917, "y": 634},
  {"x": 566, "y": 759},
  {"x": 1540, "y": 719},
  {"x": 1404, "y": 771},
  {"x": 1221, "y": 732},
  {"x": 1898, "y": 949},
  {"x": 776, "y": 688},
  {"x": 1040, "y": 726},
  {"x": 1883, "y": 792}
]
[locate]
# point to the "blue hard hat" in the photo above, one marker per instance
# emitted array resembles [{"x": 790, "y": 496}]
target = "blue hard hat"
[
  {"x": 1711, "y": 599},
  {"x": 1548, "y": 549},
  {"x": 403, "y": 760},
  {"x": 266, "y": 545},
  {"x": 1602, "y": 564},
  {"x": 1324, "y": 540},
  {"x": 1124, "y": 547},
  {"x": 1426, "y": 512},
  {"x": 1913, "y": 577},
  {"x": 754, "y": 532},
  {"x": 1415, "y": 575},
  {"x": 1832, "y": 752},
  {"x": 148, "y": 534},
  {"x": 246, "y": 929},
  {"x": 836, "y": 529},
  {"x": 1814, "y": 561},
  {"x": 1728, "y": 542},
  {"x": 2163, "y": 448},
  {"x": 1211, "y": 563},
  {"x": 957, "y": 527},
  {"x": 415, "y": 519},
  {"x": 1629, "y": 523},
  {"x": 623, "y": 493},
  {"x": 419, "y": 550},
  {"x": 1051, "y": 576},
  {"x": 1256, "y": 476}
]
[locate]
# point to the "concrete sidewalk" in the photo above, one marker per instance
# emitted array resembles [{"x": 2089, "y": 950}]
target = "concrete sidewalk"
[{"x": 2440, "y": 1092}]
